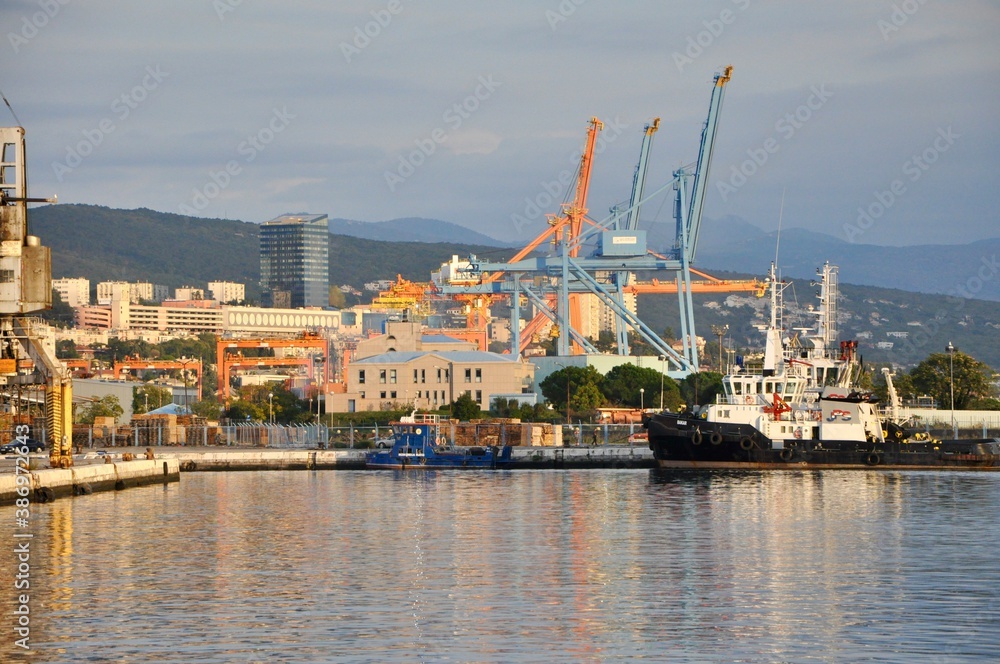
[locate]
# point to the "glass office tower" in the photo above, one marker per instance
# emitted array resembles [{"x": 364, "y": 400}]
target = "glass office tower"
[{"x": 295, "y": 261}]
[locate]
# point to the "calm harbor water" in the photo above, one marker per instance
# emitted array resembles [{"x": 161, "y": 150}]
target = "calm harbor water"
[{"x": 521, "y": 566}]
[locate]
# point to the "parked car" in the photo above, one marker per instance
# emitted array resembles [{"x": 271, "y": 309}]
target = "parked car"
[{"x": 15, "y": 445}]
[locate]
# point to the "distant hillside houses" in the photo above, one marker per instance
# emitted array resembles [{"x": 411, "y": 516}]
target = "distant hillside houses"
[{"x": 380, "y": 285}]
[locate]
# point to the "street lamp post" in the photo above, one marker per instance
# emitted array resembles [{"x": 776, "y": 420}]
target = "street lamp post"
[
  {"x": 720, "y": 331},
  {"x": 642, "y": 400},
  {"x": 270, "y": 407},
  {"x": 950, "y": 349}
]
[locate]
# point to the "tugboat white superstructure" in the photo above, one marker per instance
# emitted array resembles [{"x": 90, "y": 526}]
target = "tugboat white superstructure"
[{"x": 799, "y": 409}]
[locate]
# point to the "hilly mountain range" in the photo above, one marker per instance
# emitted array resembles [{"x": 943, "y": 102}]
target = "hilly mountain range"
[
  {"x": 101, "y": 244},
  {"x": 412, "y": 229},
  {"x": 732, "y": 244}
]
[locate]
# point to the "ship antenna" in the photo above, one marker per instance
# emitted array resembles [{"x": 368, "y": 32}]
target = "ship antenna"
[
  {"x": 11, "y": 109},
  {"x": 777, "y": 240}
]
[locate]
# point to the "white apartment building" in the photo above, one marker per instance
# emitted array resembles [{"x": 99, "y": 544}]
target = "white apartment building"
[
  {"x": 226, "y": 291},
  {"x": 134, "y": 292},
  {"x": 189, "y": 293},
  {"x": 73, "y": 291}
]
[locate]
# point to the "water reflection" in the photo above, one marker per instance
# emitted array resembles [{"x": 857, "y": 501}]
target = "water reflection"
[{"x": 508, "y": 566}]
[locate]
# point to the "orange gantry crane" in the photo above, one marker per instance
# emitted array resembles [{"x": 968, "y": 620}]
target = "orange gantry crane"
[
  {"x": 131, "y": 364},
  {"x": 404, "y": 294},
  {"x": 709, "y": 285},
  {"x": 564, "y": 227},
  {"x": 227, "y": 360}
]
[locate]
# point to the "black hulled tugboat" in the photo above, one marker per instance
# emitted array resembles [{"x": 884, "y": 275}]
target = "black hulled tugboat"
[{"x": 799, "y": 410}]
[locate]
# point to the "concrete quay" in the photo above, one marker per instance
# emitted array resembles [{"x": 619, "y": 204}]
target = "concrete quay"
[
  {"x": 43, "y": 485},
  {"x": 215, "y": 459}
]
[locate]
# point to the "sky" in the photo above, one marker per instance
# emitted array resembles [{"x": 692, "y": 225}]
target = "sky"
[{"x": 874, "y": 121}]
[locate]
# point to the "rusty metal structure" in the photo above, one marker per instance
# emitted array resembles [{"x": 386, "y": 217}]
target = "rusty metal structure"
[{"x": 26, "y": 288}]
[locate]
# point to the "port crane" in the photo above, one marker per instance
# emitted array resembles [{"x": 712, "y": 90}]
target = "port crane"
[
  {"x": 136, "y": 364},
  {"x": 26, "y": 288},
  {"x": 621, "y": 250},
  {"x": 227, "y": 353}
]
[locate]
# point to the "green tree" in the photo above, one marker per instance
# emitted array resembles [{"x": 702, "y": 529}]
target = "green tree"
[
  {"x": 60, "y": 314},
  {"x": 210, "y": 409},
  {"x": 337, "y": 298},
  {"x": 106, "y": 406},
  {"x": 972, "y": 378},
  {"x": 66, "y": 349},
  {"x": 606, "y": 342},
  {"x": 586, "y": 399},
  {"x": 465, "y": 409},
  {"x": 502, "y": 407},
  {"x": 149, "y": 397},
  {"x": 698, "y": 389},
  {"x": 621, "y": 387},
  {"x": 559, "y": 385}
]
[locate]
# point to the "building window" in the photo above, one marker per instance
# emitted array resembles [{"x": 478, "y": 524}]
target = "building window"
[
  {"x": 423, "y": 375},
  {"x": 479, "y": 375},
  {"x": 392, "y": 376},
  {"x": 381, "y": 395},
  {"x": 479, "y": 397},
  {"x": 381, "y": 376},
  {"x": 392, "y": 395},
  {"x": 361, "y": 377},
  {"x": 468, "y": 375},
  {"x": 414, "y": 375}
]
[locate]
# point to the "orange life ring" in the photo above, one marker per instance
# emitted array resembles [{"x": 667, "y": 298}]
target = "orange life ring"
[
  {"x": 798, "y": 432},
  {"x": 748, "y": 400}
]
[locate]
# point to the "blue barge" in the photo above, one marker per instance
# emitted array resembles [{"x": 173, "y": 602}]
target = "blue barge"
[{"x": 419, "y": 445}]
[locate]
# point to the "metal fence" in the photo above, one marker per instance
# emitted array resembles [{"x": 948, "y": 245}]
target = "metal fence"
[
  {"x": 301, "y": 436},
  {"x": 320, "y": 436}
]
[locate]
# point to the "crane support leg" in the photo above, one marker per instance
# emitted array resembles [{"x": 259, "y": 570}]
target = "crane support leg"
[{"x": 59, "y": 422}]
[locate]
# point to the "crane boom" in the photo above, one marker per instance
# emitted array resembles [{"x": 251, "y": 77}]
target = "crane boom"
[{"x": 704, "y": 163}]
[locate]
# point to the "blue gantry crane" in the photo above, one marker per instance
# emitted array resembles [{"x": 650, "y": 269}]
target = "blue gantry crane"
[{"x": 620, "y": 251}]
